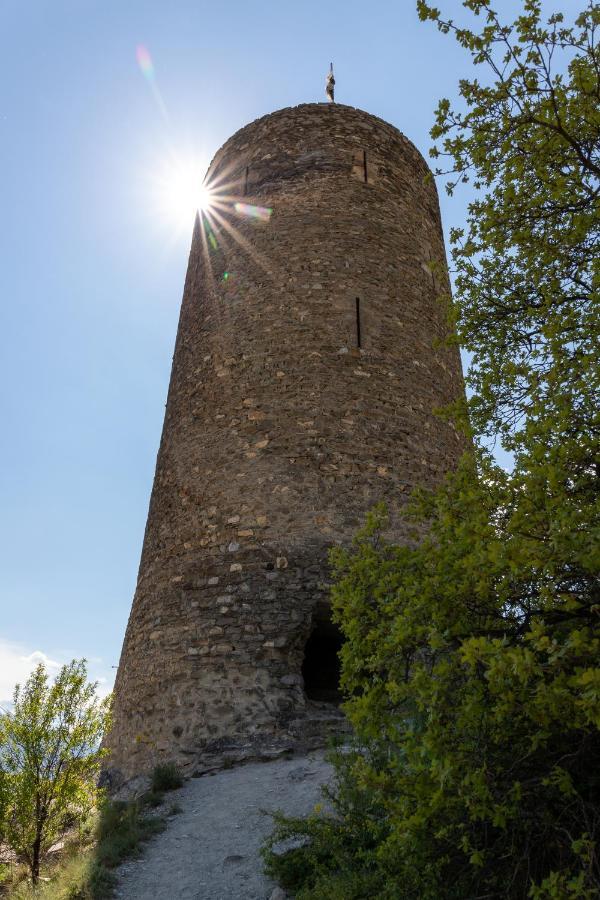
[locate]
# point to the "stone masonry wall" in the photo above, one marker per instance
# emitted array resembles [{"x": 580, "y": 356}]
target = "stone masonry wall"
[{"x": 280, "y": 432}]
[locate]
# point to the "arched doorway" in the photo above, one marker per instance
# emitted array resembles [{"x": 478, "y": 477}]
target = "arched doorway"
[{"x": 321, "y": 665}]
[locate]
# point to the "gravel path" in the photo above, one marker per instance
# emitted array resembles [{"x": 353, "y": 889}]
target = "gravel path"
[{"x": 210, "y": 850}]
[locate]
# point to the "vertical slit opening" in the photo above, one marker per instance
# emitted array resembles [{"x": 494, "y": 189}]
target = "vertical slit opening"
[
  {"x": 246, "y": 182},
  {"x": 366, "y": 174},
  {"x": 358, "y": 334}
]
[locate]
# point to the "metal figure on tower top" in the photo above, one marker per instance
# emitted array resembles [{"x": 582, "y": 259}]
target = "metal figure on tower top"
[{"x": 330, "y": 84}]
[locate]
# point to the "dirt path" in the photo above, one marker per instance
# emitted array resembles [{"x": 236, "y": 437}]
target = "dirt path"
[{"x": 210, "y": 850}]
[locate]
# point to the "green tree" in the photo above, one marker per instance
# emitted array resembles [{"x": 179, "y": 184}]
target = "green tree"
[
  {"x": 49, "y": 759},
  {"x": 471, "y": 661},
  {"x": 526, "y": 263}
]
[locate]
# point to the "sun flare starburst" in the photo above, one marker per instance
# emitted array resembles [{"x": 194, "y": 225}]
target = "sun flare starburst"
[
  {"x": 182, "y": 192},
  {"x": 182, "y": 189}
]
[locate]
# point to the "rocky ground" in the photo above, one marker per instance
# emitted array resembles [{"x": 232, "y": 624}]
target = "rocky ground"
[{"x": 210, "y": 850}]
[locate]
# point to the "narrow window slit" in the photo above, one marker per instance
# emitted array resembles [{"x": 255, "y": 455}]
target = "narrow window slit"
[
  {"x": 358, "y": 335},
  {"x": 366, "y": 174},
  {"x": 246, "y": 182}
]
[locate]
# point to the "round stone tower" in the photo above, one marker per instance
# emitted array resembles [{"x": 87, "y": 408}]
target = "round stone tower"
[{"x": 307, "y": 370}]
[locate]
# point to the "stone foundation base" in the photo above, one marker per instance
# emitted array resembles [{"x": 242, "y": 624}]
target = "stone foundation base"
[{"x": 314, "y": 728}]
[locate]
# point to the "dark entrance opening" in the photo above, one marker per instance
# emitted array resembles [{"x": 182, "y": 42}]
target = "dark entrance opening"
[{"x": 321, "y": 666}]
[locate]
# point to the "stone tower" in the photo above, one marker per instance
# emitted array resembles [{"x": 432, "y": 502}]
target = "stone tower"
[{"x": 306, "y": 373}]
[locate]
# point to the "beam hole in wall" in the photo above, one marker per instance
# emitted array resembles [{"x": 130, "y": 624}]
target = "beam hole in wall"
[{"x": 321, "y": 665}]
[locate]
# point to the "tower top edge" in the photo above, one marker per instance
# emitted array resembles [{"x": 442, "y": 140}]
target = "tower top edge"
[{"x": 304, "y": 111}]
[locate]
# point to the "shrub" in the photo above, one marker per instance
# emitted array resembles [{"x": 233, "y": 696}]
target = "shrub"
[{"x": 166, "y": 777}]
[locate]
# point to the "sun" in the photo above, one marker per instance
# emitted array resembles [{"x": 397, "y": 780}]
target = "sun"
[
  {"x": 204, "y": 197},
  {"x": 182, "y": 192}
]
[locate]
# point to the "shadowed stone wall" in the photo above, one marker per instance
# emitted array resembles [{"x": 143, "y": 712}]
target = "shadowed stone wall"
[{"x": 280, "y": 431}]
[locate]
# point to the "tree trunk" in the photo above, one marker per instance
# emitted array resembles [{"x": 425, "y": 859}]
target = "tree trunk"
[{"x": 35, "y": 859}]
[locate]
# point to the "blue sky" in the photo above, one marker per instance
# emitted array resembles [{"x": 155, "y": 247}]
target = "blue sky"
[{"x": 93, "y": 268}]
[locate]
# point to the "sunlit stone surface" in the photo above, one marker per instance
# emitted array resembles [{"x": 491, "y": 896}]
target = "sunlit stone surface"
[{"x": 305, "y": 377}]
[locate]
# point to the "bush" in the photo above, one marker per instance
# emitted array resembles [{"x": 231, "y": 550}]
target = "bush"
[
  {"x": 322, "y": 861},
  {"x": 166, "y": 777}
]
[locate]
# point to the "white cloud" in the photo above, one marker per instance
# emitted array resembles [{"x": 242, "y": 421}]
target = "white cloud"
[{"x": 17, "y": 662}]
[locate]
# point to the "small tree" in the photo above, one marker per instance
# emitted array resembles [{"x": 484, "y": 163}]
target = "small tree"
[{"x": 49, "y": 759}]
